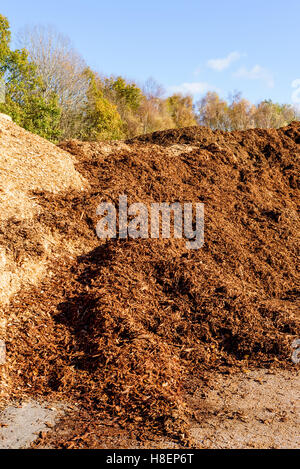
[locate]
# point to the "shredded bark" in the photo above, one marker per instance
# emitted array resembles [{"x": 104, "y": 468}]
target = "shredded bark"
[{"x": 120, "y": 327}]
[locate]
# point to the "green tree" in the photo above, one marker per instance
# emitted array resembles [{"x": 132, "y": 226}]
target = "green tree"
[
  {"x": 101, "y": 120},
  {"x": 128, "y": 98},
  {"x": 5, "y": 37},
  {"x": 124, "y": 95},
  {"x": 61, "y": 68},
  {"x": 24, "y": 100}
]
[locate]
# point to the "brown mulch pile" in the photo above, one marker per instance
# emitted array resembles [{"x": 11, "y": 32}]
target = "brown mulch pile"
[{"x": 122, "y": 326}]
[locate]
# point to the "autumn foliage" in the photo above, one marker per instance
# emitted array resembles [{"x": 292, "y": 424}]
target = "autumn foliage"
[{"x": 51, "y": 91}]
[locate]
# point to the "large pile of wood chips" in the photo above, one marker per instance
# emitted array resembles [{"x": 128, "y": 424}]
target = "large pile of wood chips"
[{"x": 121, "y": 327}]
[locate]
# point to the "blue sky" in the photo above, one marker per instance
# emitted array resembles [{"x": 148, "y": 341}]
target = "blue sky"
[{"x": 189, "y": 46}]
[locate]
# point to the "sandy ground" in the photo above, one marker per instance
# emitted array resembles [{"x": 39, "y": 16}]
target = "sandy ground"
[
  {"x": 258, "y": 409},
  {"x": 21, "y": 425},
  {"x": 253, "y": 409}
]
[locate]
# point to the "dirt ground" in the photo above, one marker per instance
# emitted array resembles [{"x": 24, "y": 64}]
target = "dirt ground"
[
  {"x": 257, "y": 409},
  {"x": 249, "y": 410},
  {"x": 21, "y": 424}
]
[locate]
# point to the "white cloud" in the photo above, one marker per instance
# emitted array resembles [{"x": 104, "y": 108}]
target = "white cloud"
[
  {"x": 222, "y": 64},
  {"x": 192, "y": 88},
  {"x": 256, "y": 73},
  {"x": 296, "y": 93}
]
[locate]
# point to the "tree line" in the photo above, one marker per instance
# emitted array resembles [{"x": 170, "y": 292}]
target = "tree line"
[{"x": 51, "y": 91}]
